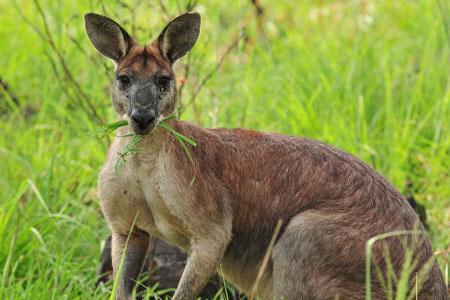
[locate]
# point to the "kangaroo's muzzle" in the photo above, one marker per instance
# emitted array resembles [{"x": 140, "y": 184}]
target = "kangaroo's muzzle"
[{"x": 143, "y": 122}]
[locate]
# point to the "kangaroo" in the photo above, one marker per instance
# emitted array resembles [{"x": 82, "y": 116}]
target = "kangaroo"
[{"x": 221, "y": 208}]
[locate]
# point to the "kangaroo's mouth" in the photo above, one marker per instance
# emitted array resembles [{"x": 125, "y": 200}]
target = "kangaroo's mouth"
[
  {"x": 147, "y": 129},
  {"x": 143, "y": 130},
  {"x": 143, "y": 122}
]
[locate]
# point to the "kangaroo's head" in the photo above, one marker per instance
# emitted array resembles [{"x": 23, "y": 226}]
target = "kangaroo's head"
[{"x": 144, "y": 87}]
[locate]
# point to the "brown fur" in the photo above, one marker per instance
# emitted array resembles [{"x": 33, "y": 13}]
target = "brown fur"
[{"x": 223, "y": 209}]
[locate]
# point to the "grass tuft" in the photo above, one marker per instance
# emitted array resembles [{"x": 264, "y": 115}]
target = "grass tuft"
[
  {"x": 131, "y": 147},
  {"x": 402, "y": 291}
]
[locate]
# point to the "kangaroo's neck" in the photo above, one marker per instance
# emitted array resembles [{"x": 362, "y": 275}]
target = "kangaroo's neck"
[{"x": 130, "y": 151}]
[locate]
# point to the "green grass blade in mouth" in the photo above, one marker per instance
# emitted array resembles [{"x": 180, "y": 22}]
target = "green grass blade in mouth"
[
  {"x": 131, "y": 148},
  {"x": 168, "y": 118},
  {"x": 178, "y": 135},
  {"x": 115, "y": 125},
  {"x": 108, "y": 128}
]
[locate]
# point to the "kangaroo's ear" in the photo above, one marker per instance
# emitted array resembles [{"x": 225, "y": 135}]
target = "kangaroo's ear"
[
  {"x": 107, "y": 36},
  {"x": 179, "y": 36}
]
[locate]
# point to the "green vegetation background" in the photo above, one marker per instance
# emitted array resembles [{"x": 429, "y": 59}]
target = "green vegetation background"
[{"x": 371, "y": 77}]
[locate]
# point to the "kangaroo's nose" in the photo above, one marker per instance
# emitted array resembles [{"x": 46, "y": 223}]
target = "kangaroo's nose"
[{"x": 143, "y": 119}]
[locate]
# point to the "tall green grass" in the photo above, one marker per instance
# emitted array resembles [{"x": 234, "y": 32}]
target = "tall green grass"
[{"x": 371, "y": 77}]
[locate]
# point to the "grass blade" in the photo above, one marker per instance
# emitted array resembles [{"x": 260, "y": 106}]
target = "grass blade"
[{"x": 369, "y": 245}]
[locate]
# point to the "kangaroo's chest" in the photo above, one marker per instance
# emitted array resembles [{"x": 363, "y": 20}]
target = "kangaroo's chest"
[
  {"x": 139, "y": 192},
  {"x": 160, "y": 193}
]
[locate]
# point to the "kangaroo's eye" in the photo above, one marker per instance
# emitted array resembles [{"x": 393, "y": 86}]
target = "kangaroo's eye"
[
  {"x": 124, "y": 80},
  {"x": 164, "y": 82}
]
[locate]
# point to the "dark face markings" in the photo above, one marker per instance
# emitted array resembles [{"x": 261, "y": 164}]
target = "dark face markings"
[{"x": 144, "y": 87}]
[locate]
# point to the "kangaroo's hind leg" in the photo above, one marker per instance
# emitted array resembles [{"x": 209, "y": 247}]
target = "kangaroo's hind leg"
[{"x": 318, "y": 258}]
